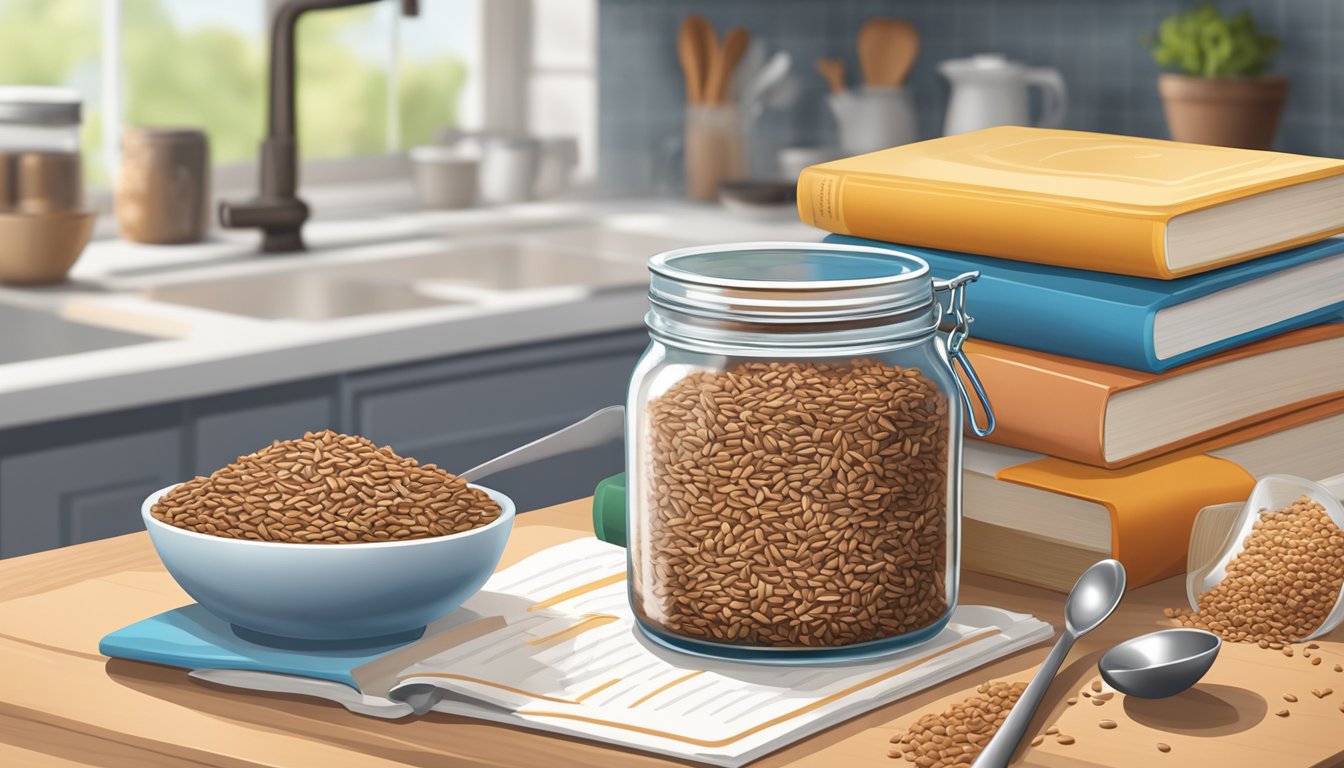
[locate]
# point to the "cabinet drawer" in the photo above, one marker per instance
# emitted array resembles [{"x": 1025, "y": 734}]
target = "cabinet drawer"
[{"x": 90, "y": 490}]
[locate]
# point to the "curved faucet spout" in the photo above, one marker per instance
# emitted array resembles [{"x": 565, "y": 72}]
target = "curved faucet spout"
[{"x": 277, "y": 209}]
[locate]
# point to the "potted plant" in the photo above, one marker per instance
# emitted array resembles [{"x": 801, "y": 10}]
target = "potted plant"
[{"x": 1220, "y": 94}]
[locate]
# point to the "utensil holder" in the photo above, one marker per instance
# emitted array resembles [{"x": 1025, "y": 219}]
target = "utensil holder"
[{"x": 716, "y": 149}]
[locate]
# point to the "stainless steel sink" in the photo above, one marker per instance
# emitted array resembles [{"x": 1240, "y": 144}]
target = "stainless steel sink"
[
  {"x": 323, "y": 291},
  {"x": 298, "y": 295},
  {"x": 31, "y": 335},
  {"x": 515, "y": 267}
]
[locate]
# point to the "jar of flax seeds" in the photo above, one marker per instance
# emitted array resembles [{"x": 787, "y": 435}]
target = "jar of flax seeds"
[{"x": 794, "y": 451}]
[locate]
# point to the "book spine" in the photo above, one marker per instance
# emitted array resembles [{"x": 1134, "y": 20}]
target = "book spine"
[
  {"x": 1021, "y": 228},
  {"x": 1037, "y": 409}
]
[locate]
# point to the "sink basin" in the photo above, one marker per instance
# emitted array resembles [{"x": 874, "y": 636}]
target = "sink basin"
[
  {"x": 31, "y": 335},
  {"x": 453, "y": 276},
  {"x": 297, "y": 295},
  {"x": 515, "y": 267},
  {"x": 633, "y": 247}
]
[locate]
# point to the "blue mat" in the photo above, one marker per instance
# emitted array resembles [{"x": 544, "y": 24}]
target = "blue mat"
[{"x": 192, "y": 638}]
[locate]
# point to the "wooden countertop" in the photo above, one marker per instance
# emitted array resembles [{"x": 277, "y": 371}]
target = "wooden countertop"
[{"x": 64, "y": 704}]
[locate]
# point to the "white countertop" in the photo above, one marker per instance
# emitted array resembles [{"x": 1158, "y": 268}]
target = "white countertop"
[{"x": 200, "y": 352}]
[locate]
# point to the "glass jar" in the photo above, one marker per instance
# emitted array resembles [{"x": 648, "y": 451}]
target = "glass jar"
[
  {"x": 39, "y": 150},
  {"x": 36, "y": 118},
  {"x": 794, "y": 451}
]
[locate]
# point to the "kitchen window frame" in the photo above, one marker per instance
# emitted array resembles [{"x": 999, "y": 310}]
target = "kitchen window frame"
[{"x": 499, "y": 50}]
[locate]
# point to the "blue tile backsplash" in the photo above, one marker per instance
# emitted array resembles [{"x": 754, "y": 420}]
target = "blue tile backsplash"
[{"x": 1096, "y": 44}]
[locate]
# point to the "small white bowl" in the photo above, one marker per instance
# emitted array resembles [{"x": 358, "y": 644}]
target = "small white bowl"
[
  {"x": 358, "y": 593},
  {"x": 445, "y": 177}
]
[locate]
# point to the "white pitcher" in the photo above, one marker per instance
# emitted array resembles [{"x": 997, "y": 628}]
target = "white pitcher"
[
  {"x": 873, "y": 118},
  {"x": 989, "y": 90}
]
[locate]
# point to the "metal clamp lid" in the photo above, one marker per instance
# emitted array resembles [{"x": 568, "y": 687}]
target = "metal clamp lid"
[
  {"x": 39, "y": 105},
  {"x": 957, "y": 333}
]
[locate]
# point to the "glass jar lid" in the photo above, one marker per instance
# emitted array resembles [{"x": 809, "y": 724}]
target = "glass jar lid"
[
  {"x": 770, "y": 282},
  {"x": 38, "y": 105}
]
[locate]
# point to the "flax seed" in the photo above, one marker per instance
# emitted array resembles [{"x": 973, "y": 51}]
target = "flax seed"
[
  {"x": 1281, "y": 587},
  {"x": 258, "y": 496},
  {"x": 802, "y": 496},
  {"x": 957, "y": 735}
]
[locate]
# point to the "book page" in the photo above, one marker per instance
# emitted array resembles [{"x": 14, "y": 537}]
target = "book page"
[{"x": 571, "y": 660}]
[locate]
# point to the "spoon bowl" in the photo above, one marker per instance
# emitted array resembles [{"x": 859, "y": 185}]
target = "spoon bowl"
[
  {"x": 1160, "y": 664},
  {"x": 1094, "y": 597}
]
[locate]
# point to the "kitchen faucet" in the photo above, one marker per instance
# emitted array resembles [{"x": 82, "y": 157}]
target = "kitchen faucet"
[{"x": 277, "y": 210}]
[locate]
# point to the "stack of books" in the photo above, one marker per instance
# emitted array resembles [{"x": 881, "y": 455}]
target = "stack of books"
[{"x": 1157, "y": 324}]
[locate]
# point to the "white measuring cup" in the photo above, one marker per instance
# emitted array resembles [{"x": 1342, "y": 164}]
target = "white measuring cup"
[{"x": 1271, "y": 493}]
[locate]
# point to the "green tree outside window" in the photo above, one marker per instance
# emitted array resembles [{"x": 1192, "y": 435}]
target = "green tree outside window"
[{"x": 213, "y": 75}]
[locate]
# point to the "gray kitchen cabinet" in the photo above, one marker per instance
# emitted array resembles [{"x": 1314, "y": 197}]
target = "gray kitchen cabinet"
[
  {"x": 460, "y": 412},
  {"x": 226, "y": 427},
  {"x": 84, "y": 479}
]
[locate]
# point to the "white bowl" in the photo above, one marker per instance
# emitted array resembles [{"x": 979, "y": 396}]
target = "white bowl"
[
  {"x": 344, "y": 593},
  {"x": 445, "y": 177}
]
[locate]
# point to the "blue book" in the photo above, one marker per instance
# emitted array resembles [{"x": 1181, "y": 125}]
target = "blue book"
[{"x": 1141, "y": 323}]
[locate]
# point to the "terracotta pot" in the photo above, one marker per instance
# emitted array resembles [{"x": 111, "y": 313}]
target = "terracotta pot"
[{"x": 1228, "y": 112}]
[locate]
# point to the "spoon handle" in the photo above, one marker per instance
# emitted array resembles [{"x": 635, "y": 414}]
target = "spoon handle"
[
  {"x": 600, "y": 428},
  {"x": 1001, "y": 748}
]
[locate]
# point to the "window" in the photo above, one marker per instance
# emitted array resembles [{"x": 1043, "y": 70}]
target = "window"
[
  {"x": 58, "y": 42},
  {"x": 563, "y": 79},
  {"x": 195, "y": 64},
  {"x": 370, "y": 81}
]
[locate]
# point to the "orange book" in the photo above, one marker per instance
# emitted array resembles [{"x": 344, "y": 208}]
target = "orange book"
[
  {"x": 1112, "y": 417},
  {"x": 1043, "y": 520},
  {"x": 1120, "y": 204}
]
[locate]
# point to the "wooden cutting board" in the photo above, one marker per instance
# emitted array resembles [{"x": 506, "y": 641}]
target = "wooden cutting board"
[{"x": 1228, "y": 720}]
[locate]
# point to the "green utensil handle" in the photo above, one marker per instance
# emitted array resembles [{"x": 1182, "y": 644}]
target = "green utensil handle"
[{"x": 609, "y": 510}]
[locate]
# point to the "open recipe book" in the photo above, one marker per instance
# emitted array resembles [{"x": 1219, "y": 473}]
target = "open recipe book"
[{"x": 550, "y": 644}]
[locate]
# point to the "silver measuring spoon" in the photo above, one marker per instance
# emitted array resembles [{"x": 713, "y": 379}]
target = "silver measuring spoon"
[
  {"x": 1160, "y": 664},
  {"x": 1093, "y": 598}
]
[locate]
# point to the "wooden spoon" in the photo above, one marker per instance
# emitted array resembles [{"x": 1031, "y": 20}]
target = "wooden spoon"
[
  {"x": 887, "y": 50},
  {"x": 695, "y": 31},
  {"x": 833, "y": 70},
  {"x": 905, "y": 49},
  {"x": 872, "y": 49},
  {"x": 724, "y": 60}
]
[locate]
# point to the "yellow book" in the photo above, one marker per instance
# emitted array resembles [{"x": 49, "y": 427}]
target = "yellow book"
[{"x": 1120, "y": 204}]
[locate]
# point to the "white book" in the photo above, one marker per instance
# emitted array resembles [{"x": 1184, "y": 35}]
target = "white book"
[{"x": 550, "y": 644}]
